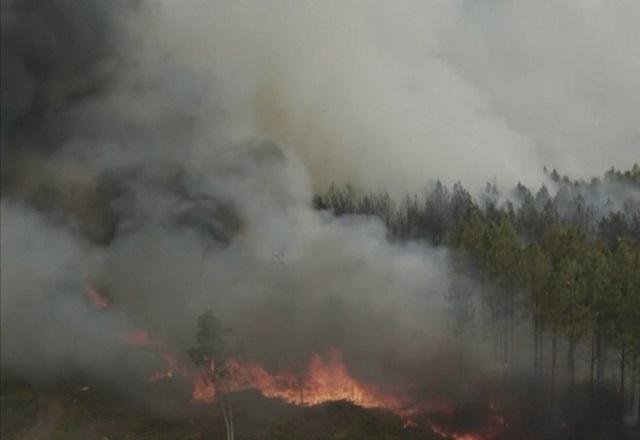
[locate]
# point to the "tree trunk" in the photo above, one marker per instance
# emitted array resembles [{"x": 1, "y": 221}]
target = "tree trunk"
[
  {"x": 228, "y": 413},
  {"x": 636, "y": 392},
  {"x": 593, "y": 358},
  {"x": 505, "y": 354},
  {"x": 554, "y": 346},
  {"x": 634, "y": 416},
  {"x": 540, "y": 349},
  {"x": 622, "y": 365},
  {"x": 636, "y": 404},
  {"x": 535, "y": 346},
  {"x": 634, "y": 373},
  {"x": 233, "y": 429},
  {"x": 507, "y": 316},
  {"x": 226, "y": 420},
  {"x": 512, "y": 319},
  {"x": 600, "y": 360},
  {"x": 571, "y": 357}
]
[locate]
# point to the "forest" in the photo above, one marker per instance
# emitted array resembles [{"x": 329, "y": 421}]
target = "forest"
[{"x": 564, "y": 264}]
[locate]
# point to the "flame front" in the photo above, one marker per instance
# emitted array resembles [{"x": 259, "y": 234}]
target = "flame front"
[
  {"x": 326, "y": 379},
  {"x": 203, "y": 389}
]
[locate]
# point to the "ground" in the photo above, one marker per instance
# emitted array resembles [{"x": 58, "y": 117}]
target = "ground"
[
  {"x": 87, "y": 410},
  {"x": 77, "y": 411}
]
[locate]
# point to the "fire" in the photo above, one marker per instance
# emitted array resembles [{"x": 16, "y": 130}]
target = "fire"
[
  {"x": 325, "y": 379},
  {"x": 203, "y": 389},
  {"x": 171, "y": 368},
  {"x": 98, "y": 299},
  {"x": 141, "y": 338}
]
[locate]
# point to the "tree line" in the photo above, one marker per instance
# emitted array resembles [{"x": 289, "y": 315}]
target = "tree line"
[{"x": 566, "y": 263}]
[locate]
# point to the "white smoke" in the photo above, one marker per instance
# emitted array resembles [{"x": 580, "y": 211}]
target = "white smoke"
[{"x": 391, "y": 95}]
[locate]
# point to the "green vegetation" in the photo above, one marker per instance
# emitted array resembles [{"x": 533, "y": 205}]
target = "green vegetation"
[
  {"x": 210, "y": 352},
  {"x": 568, "y": 264}
]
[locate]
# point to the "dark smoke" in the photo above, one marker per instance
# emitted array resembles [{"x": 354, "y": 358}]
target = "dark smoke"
[
  {"x": 55, "y": 53},
  {"x": 120, "y": 170}
]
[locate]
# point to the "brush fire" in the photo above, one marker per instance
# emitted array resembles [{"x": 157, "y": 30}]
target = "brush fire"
[{"x": 325, "y": 379}]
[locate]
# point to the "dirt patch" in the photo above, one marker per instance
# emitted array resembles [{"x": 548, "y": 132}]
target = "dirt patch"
[{"x": 48, "y": 415}]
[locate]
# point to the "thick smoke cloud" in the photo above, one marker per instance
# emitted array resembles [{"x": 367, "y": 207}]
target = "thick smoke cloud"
[
  {"x": 53, "y": 53},
  {"x": 383, "y": 95},
  {"x": 357, "y": 89},
  {"x": 48, "y": 327},
  {"x": 142, "y": 188}
]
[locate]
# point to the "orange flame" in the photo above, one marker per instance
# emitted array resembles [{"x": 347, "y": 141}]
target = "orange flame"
[
  {"x": 203, "y": 389},
  {"x": 97, "y": 298},
  {"x": 325, "y": 380},
  {"x": 140, "y": 338}
]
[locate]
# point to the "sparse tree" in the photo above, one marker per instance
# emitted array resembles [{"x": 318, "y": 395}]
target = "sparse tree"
[{"x": 211, "y": 352}]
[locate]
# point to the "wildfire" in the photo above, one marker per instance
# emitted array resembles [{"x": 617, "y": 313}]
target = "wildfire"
[
  {"x": 325, "y": 379},
  {"x": 203, "y": 389},
  {"x": 171, "y": 368},
  {"x": 97, "y": 299},
  {"x": 141, "y": 338}
]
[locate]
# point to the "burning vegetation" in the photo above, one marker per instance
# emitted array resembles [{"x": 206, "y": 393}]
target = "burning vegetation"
[{"x": 324, "y": 379}]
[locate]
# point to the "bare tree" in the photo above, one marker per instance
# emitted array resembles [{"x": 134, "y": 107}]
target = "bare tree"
[{"x": 211, "y": 352}]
